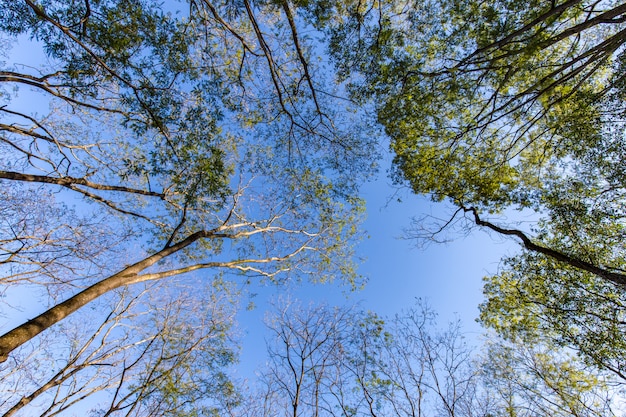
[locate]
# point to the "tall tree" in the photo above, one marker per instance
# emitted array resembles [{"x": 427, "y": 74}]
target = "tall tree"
[
  {"x": 155, "y": 143},
  {"x": 306, "y": 351},
  {"x": 504, "y": 106}
]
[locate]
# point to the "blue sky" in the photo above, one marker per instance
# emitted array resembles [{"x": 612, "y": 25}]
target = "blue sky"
[{"x": 447, "y": 275}]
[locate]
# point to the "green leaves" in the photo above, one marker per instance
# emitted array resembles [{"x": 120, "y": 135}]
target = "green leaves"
[
  {"x": 532, "y": 379},
  {"x": 512, "y": 105},
  {"x": 536, "y": 300},
  {"x": 469, "y": 105},
  {"x": 207, "y": 140}
]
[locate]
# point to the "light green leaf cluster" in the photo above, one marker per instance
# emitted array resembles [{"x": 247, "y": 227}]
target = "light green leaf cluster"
[
  {"x": 531, "y": 379},
  {"x": 511, "y": 105},
  {"x": 537, "y": 301}
]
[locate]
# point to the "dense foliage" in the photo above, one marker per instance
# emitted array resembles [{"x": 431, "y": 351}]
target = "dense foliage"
[
  {"x": 142, "y": 141},
  {"x": 503, "y": 106}
]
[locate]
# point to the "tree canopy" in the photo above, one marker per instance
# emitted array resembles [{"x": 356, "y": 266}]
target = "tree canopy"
[
  {"x": 511, "y": 106},
  {"x": 141, "y": 141}
]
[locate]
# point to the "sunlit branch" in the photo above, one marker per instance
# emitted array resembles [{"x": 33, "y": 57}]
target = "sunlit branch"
[
  {"x": 243, "y": 265},
  {"x": 131, "y": 275}
]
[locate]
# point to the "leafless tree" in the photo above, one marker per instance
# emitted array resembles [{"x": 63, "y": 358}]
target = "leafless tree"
[
  {"x": 156, "y": 353},
  {"x": 345, "y": 362}
]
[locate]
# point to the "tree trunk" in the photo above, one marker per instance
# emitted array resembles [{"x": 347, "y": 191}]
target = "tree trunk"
[{"x": 130, "y": 275}]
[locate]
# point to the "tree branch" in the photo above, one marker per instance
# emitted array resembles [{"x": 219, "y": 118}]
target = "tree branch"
[
  {"x": 615, "y": 278},
  {"x": 131, "y": 275},
  {"x": 72, "y": 181}
]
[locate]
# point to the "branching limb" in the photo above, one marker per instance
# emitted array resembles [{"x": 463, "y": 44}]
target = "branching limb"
[
  {"x": 70, "y": 182},
  {"x": 131, "y": 275},
  {"x": 616, "y": 278}
]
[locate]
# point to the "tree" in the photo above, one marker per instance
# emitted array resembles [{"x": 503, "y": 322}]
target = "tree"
[
  {"x": 321, "y": 361},
  {"x": 167, "y": 128},
  {"x": 153, "y": 144},
  {"x": 537, "y": 301},
  {"x": 513, "y": 110},
  {"x": 526, "y": 380},
  {"x": 154, "y": 353},
  {"x": 306, "y": 353},
  {"x": 504, "y": 106},
  {"x": 431, "y": 369},
  {"x": 325, "y": 361}
]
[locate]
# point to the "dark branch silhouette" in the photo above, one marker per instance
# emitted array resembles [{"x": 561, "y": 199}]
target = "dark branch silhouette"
[{"x": 614, "y": 277}]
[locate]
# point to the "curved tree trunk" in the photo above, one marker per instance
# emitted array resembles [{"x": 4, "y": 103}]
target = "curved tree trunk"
[
  {"x": 614, "y": 277},
  {"x": 130, "y": 275}
]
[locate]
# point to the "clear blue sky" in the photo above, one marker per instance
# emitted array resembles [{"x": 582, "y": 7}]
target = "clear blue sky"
[{"x": 448, "y": 275}]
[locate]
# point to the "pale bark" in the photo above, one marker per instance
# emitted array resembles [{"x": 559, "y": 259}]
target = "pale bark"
[{"x": 131, "y": 275}]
